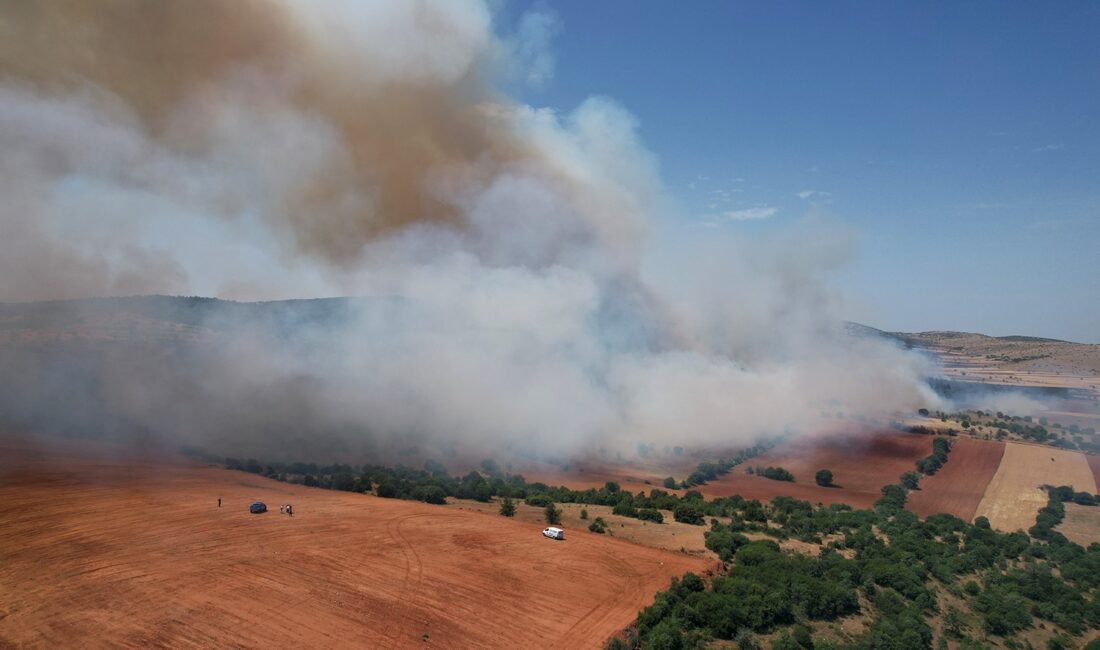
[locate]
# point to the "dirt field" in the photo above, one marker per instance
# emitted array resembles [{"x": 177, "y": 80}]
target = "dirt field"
[
  {"x": 960, "y": 484},
  {"x": 1094, "y": 464},
  {"x": 1013, "y": 497},
  {"x": 131, "y": 553},
  {"x": 1082, "y": 524},
  {"x": 861, "y": 465}
]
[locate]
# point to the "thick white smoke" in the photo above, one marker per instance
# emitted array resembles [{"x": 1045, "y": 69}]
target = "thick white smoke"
[{"x": 518, "y": 291}]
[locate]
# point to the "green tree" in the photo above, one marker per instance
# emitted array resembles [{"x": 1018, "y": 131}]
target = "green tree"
[
  {"x": 584, "y": 513},
  {"x": 670, "y": 483},
  {"x": 910, "y": 481},
  {"x": 824, "y": 478},
  {"x": 552, "y": 514},
  {"x": 953, "y": 622},
  {"x": 687, "y": 514},
  {"x": 598, "y": 525},
  {"x": 507, "y": 507}
]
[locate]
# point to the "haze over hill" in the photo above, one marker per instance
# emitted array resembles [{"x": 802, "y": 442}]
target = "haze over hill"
[{"x": 341, "y": 375}]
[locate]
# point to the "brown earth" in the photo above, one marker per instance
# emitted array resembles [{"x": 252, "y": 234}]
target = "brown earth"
[
  {"x": 122, "y": 552},
  {"x": 959, "y": 486},
  {"x": 1014, "y": 496},
  {"x": 1094, "y": 465},
  {"x": 861, "y": 464}
]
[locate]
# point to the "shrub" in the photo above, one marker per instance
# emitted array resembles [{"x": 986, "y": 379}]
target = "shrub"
[
  {"x": 670, "y": 483},
  {"x": 824, "y": 478},
  {"x": 777, "y": 474},
  {"x": 507, "y": 507},
  {"x": 387, "y": 489},
  {"x": 910, "y": 481},
  {"x": 584, "y": 513},
  {"x": 598, "y": 525},
  {"x": 539, "y": 500},
  {"x": 430, "y": 494},
  {"x": 687, "y": 514},
  {"x": 651, "y": 514},
  {"x": 552, "y": 514}
]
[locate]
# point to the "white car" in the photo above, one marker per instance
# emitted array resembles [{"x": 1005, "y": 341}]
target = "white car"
[{"x": 554, "y": 533}]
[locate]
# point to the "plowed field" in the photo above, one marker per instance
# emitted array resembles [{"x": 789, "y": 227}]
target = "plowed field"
[
  {"x": 861, "y": 464},
  {"x": 959, "y": 486},
  {"x": 125, "y": 553}
]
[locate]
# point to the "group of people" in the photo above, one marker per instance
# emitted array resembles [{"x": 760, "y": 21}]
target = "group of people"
[{"x": 287, "y": 508}]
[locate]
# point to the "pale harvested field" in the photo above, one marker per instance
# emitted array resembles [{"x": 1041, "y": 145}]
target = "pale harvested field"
[
  {"x": 129, "y": 552},
  {"x": 1082, "y": 524},
  {"x": 1013, "y": 497}
]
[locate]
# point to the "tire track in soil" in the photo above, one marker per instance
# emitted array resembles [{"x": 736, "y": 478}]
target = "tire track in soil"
[
  {"x": 410, "y": 590},
  {"x": 633, "y": 590}
]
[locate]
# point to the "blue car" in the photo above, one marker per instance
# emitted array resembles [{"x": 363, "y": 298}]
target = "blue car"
[{"x": 257, "y": 507}]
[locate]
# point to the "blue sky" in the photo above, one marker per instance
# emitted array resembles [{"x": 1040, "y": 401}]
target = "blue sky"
[{"x": 959, "y": 140}]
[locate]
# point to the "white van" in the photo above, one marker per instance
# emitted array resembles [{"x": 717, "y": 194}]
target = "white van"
[{"x": 554, "y": 533}]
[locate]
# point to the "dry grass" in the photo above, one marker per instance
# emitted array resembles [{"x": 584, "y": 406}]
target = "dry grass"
[
  {"x": 1014, "y": 497},
  {"x": 1082, "y": 524}
]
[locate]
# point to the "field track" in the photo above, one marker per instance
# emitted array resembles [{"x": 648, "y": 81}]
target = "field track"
[
  {"x": 134, "y": 553},
  {"x": 1013, "y": 498},
  {"x": 959, "y": 486}
]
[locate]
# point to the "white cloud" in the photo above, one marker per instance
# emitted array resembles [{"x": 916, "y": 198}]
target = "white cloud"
[
  {"x": 750, "y": 214},
  {"x": 1048, "y": 147},
  {"x": 815, "y": 196}
]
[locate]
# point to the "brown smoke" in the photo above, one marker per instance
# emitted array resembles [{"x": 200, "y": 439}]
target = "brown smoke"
[{"x": 160, "y": 57}]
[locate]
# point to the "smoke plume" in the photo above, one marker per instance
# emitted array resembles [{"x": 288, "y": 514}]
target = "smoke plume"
[{"x": 518, "y": 285}]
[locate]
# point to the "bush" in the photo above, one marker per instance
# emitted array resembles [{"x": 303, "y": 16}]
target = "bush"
[
  {"x": 552, "y": 514},
  {"x": 507, "y": 507},
  {"x": 687, "y": 514},
  {"x": 910, "y": 481},
  {"x": 670, "y": 483},
  {"x": 387, "y": 489},
  {"x": 584, "y": 513},
  {"x": 539, "y": 500},
  {"x": 824, "y": 478},
  {"x": 430, "y": 494},
  {"x": 651, "y": 514},
  {"x": 777, "y": 474},
  {"x": 598, "y": 525}
]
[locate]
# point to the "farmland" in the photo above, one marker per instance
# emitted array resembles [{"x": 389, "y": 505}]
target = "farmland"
[
  {"x": 861, "y": 464},
  {"x": 1013, "y": 497},
  {"x": 135, "y": 552},
  {"x": 960, "y": 484}
]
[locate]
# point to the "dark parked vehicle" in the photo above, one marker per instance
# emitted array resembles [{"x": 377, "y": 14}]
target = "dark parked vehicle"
[{"x": 257, "y": 507}]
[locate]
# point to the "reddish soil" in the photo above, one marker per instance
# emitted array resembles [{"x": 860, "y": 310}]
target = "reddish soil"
[
  {"x": 958, "y": 487},
  {"x": 861, "y": 464},
  {"x": 1094, "y": 465},
  {"x": 134, "y": 553}
]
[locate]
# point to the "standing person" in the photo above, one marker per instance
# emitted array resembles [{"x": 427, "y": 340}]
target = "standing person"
[
  {"x": 219, "y": 502},
  {"x": 289, "y": 510}
]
